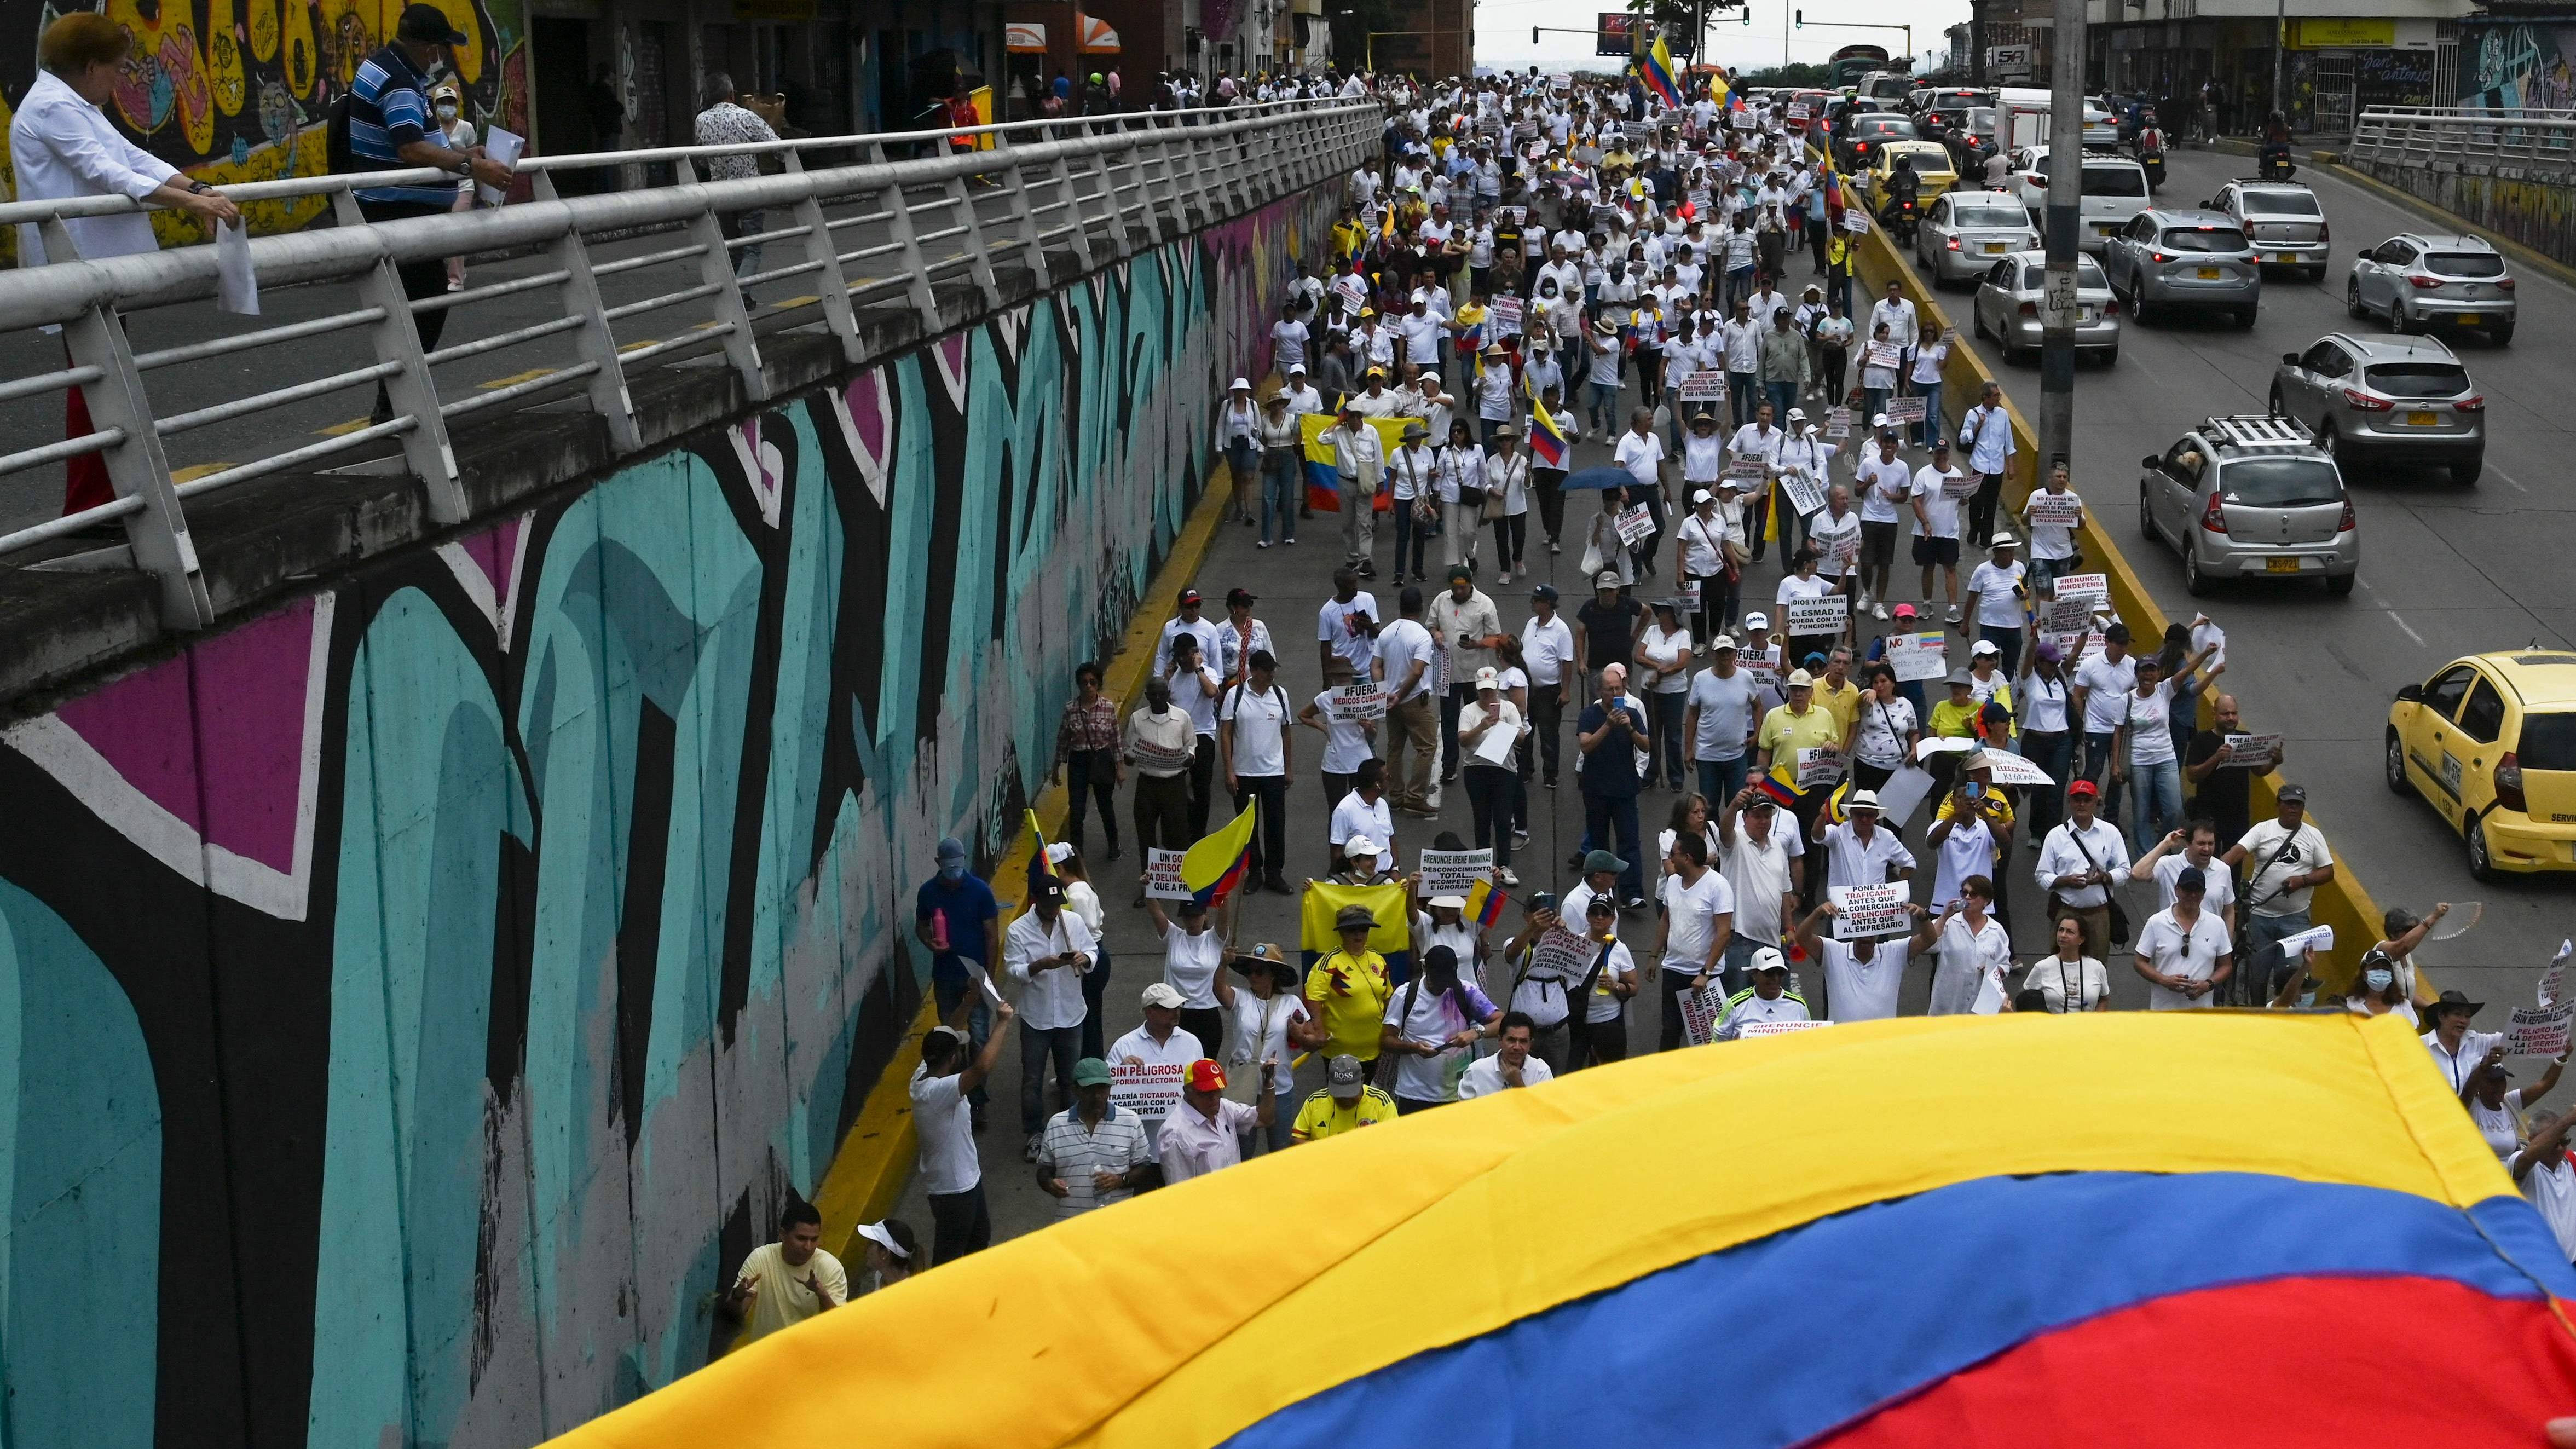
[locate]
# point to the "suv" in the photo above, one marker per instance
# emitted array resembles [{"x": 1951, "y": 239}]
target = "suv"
[
  {"x": 2386, "y": 398},
  {"x": 2113, "y": 189},
  {"x": 2423, "y": 281},
  {"x": 2490, "y": 740},
  {"x": 1857, "y": 140},
  {"x": 2251, "y": 497},
  {"x": 2184, "y": 259},
  {"x": 1965, "y": 231},
  {"x": 2283, "y": 219}
]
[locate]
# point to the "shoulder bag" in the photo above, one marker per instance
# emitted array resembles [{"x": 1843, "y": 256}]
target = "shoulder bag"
[{"x": 2110, "y": 893}]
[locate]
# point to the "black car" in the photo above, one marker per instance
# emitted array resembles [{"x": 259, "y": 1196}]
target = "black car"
[{"x": 1857, "y": 141}]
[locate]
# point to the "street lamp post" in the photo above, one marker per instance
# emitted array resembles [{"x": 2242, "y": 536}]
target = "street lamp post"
[{"x": 2058, "y": 307}]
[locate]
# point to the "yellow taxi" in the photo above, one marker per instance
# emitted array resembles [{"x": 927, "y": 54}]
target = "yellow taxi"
[
  {"x": 1932, "y": 170},
  {"x": 2491, "y": 741}
]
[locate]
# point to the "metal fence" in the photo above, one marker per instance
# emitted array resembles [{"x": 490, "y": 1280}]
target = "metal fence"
[
  {"x": 1098, "y": 188},
  {"x": 2420, "y": 135}
]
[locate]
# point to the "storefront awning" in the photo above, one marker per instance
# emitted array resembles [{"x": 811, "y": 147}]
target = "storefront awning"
[
  {"x": 1094, "y": 37},
  {"x": 1025, "y": 38}
]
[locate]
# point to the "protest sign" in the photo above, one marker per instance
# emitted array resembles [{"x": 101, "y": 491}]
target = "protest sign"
[
  {"x": 1688, "y": 598},
  {"x": 1805, "y": 498},
  {"x": 1904, "y": 409},
  {"x": 1753, "y": 1029},
  {"x": 1855, "y": 221},
  {"x": 1884, "y": 354},
  {"x": 1146, "y": 752},
  {"x": 1870, "y": 910},
  {"x": 1562, "y": 80},
  {"x": 1506, "y": 315},
  {"x": 1563, "y": 955},
  {"x": 1636, "y": 525},
  {"x": 1748, "y": 472},
  {"x": 2093, "y": 591},
  {"x": 1918, "y": 656},
  {"x": 2012, "y": 769},
  {"x": 1838, "y": 425},
  {"x": 1797, "y": 112},
  {"x": 1454, "y": 872},
  {"x": 1151, "y": 1090},
  {"x": 1820, "y": 765},
  {"x": 1958, "y": 483},
  {"x": 2538, "y": 1031},
  {"x": 2553, "y": 978},
  {"x": 1702, "y": 1010},
  {"x": 1902, "y": 795},
  {"x": 1814, "y": 616},
  {"x": 1354, "y": 702},
  {"x": 1706, "y": 385},
  {"x": 2250, "y": 752},
  {"x": 1163, "y": 875},
  {"x": 2319, "y": 938},
  {"x": 2206, "y": 635},
  {"x": 2061, "y": 510}
]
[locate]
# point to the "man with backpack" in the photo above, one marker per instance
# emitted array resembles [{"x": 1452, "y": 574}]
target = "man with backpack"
[{"x": 384, "y": 123}]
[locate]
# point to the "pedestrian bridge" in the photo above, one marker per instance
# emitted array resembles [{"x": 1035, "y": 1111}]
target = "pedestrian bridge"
[{"x": 458, "y": 871}]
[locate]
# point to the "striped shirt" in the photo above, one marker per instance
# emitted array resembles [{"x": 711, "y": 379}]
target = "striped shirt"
[
  {"x": 388, "y": 110},
  {"x": 1071, "y": 1151}
]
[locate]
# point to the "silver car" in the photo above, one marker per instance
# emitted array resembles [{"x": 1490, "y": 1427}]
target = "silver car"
[
  {"x": 2420, "y": 281},
  {"x": 2100, "y": 130},
  {"x": 1966, "y": 231},
  {"x": 2006, "y": 307},
  {"x": 2283, "y": 220},
  {"x": 2251, "y": 497},
  {"x": 2386, "y": 399},
  {"x": 2184, "y": 259}
]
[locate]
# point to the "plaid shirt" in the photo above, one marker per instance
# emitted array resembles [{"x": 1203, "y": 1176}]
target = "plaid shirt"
[{"x": 1092, "y": 726}]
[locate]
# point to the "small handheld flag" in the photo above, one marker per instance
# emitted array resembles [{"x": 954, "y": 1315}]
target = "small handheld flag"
[
  {"x": 1212, "y": 868},
  {"x": 1485, "y": 903},
  {"x": 1547, "y": 440}
]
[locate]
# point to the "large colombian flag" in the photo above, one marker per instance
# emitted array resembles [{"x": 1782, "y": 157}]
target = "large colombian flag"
[
  {"x": 1323, "y": 480},
  {"x": 1655, "y": 67},
  {"x": 2206, "y": 1228}
]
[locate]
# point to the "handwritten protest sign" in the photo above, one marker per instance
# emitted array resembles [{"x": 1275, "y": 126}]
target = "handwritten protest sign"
[
  {"x": 1688, "y": 599},
  {"x": 1454, "y": 872},
  {"x": 1918, "y": 656},
  {"x": 1151, "y": 1090},
  {"x": 2538, "y": 1031},
  {"x": 1855, "y": 221},
  {"x": 1352, "y": 703},
  {"x": 1883, "y": 354},
  {"x": 1904, "y": 409},
  {"x": 1163, "y": 875},
  {"x": 2250, "y": 752},
  {"x": 1814, "y": 616},
  {"x": 1958, "y": 483},
  {"x": 1506, "y": 315},
  {"x": 1702, "y": 1010},
  {"x": 1636, "y": 525},
  {"x": 1838, "y": 425},
  {"x": 2058, "y": 510},
  {"x": 1820, "y": 765},
  {"x": 2093, "y": 591},
  {"x": 1804, "y": 496},
  {"x": 1562, "y": 955},
  {"x": 2012, "y": 769},
  {"x": 1706, "y": 385},
  {"x": 1869, "y": 910}
]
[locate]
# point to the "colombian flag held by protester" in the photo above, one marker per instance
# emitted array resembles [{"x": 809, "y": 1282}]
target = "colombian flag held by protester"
[
  {"x": 1392, "y": 937},
  {"x": 1485, "y": 903},
  {"x": 1717, "y": 88},
  {"x": 1213, "y": 867},
  {"x": 1323, "y": 480},
  {"x": 1040, "y": 868},
  {"x": 1546, "y": 439},
  {"x": 1656, "y": 68}
]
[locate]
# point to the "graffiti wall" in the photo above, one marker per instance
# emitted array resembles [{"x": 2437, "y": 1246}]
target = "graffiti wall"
[
  {"x": 413, "y": 1001},
  {"x": 238, "y": 90},
  {"x": 2509, "y": 64}
]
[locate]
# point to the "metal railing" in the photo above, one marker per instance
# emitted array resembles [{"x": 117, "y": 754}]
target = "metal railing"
[
  {"x": 2420, "y": 135},
  {"x": 1096, "y": 187}
]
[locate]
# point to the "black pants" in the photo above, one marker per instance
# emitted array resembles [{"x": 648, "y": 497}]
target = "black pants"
[
  {"x": 1452, "y": 702},
  {"x": 1095, "y": 985},
  {"x": 1202, "y": 785},
  {"x": 1547, "y": 718},
  {"x": 1490, "y": 792},
  {"x": 424, "y": 278},
  {"x": 1981, "y": 508},
  {"x": 1091, "y": 775},
  {"x": 960, "y": 1224},
  {"x": 1551, "y": 500},
  {"x": 1668, "y": 1033},
  {"x": 1270, "y": 837},
  {"x": 1163, "y": 812},
  {"x": 1511, "y": 540},
  {"x": 1602, "y": 1041}
]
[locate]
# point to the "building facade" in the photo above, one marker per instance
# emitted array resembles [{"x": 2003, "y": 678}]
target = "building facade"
[{"x": 2335, "y": 57}]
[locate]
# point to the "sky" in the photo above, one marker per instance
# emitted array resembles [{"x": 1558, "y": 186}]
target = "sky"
[{"x": 1503, "y": 31}]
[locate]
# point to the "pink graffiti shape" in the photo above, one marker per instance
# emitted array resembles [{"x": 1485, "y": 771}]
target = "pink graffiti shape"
[
  {"x": 866, "y": 397},
  {"x": 495, "y": 551}
]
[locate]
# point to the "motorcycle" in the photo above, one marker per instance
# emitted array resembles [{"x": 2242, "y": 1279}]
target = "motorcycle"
[
  {"x": 2275, "y": 164},
  {"x": 1900, "y": 216},
  {"x": 2148, "y": 147}
]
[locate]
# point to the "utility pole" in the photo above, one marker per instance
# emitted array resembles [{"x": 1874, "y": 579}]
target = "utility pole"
[
  {"x": 2058, "y": 308},
  {"x": 2280, "y": 43}
]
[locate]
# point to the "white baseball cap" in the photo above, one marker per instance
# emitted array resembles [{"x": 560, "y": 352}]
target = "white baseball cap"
[
  {"x": 1699, "y": 496},
  {"x": 1163, "y": 995},
  {"x": 1879, "y": 421},
  {"x": 877, "y": 1233},
  {"x": 1724, "y": 642},
  {"x": 1359, "y": 845},
  {"x": 1489, "y": 678},
  {"x": 1986, "y": 646},
  {"x": 1768, "y": 958},
  {"x": 1757, "y": 621}
]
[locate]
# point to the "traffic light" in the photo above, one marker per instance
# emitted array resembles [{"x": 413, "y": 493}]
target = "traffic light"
[
  {"x": 1802, "y": 19},
  {"x": 1533, "y": 35}
]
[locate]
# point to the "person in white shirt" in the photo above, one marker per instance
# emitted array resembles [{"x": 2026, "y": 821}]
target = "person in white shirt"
[
  {"x": 1986, "y": 444},
  {"x": 2457, "y": 1051},
  {"x": 1699, "y": 921},
  {"x": 1205, "y": 1133},
  {"x": 1923, "y": 380},
  {"x": 1898, "y": 315},
  {"x": 1407, "y": 664},
  {"x": 1740, "y": 344},
  {"x": 1641, "y": 451},
  {"x": 1431, "y": 1027},
  {"x": 950, "y": 1172},
  {"x": 2547, "y": 1179},
  {"x": 2285, "y": 860},
  {"x": 1860, "y": 850},
  {"x": 1093, "y": 1153},
  {"x": 1289, "y": 336},
  {"x": 2102, "y": 685},
  {"x": 1511, "y": 1065},
  {"x": 2052, "y": 545},
  {"x": 1159, "y": 1041},
  {"x": 1705, "y": 545},
  {"x": 2069, "y": 979},
  {"x": 1271, "y": 1025},
  {"x": 1997, "y": 586},
  {"x": 2143, "y": 747},
  {"x": 1258, "y": 758},
  {"x": 1767, "y": 999},
  {"x": 1833, "y": 532},
  {"x": 2078, "y": 863},
  {"x": 1346, "y": 630},
  {"x": 1864, "y": 975},
  {"x": 2194, "y": 845},
  {"x": 1935, "y": 497},
  {"x": 1359, "y": 462},
  {"x": 2184, "y": 952},
  {"x": 1047, "y": 952},
  {"x": 1974, "y": 952},
  {"x": 1885, "y": 484}
]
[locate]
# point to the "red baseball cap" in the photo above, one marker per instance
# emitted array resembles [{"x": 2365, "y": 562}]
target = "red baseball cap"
[
  {"x": 2083, "y": 787},
  {"x": 1206, "y": 1075}
]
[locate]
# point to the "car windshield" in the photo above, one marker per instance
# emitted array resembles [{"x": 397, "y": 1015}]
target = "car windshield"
[
  {"x": 1982, "y": 118},
  {"x": 2417, "y": 379},
  {"x": 2280, "y": 482},
  {"x": 2203, "y": 239},
  {"x": 2009, "y": 217},
  {"x": 2088, "y": 276},
  {"x": 2280, "y": 203},
  {"x": 2114, "y": 181},
  {"x": 2465, "y": 264},
  {"x": 2548, "y": 741}
]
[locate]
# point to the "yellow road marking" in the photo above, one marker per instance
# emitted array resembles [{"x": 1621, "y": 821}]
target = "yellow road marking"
[
  {"x": 195, "y": 471},
  {"x": 515, "y": 378},
  {"x": 338, "y": 430}
]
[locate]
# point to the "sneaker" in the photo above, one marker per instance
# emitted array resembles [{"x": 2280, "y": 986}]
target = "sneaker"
[
  {"x": 1554, "y": 547},
  {"x": 1549, "y": 782},
  {"x": 1292, "y": 540},
  {"x": 1399, "y": 578},
  {"x": 1113, "y": 851},
  {"x": 1368, "y": 571},
  {"x": 1505, "y": 576},
  {"x": 1510, "y": 878},
  {"x": 1029, "y": 1153},
  {"x": 1275, "y": 885},
  {"x": 1878, "y": 611},
  {"x": 1265, "y": 543},
  {"x": 1953, "y": 615},
  {"x": 1633, "y": 903},
  {"x": 1247, "y": 523}
]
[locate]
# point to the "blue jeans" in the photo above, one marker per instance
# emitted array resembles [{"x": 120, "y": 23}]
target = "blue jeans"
[
  {"x": 1279, "y": 493},
  {"x": 2159, "y": 803},
  {"x": 1409, "y": 540},
  {"x": 1739, "y": 284},
  {"x": 1743, "y": 392},
  {"x": 2259, "y": 961},
  {"x": 950, "y": 984},
  {"x": 2044, "y": 571},
  {"x": 1720, "y": 779},
  {"x": 1667, "y": 709},
  {"x": 1095, "y": 985},
  {"x": 1783, "y": 396},
  {"x": 1605, "y": 405},
  {"x": 1873, "y": 401},
  {"x": 1933, "y": 422},
  {"x": 1037, "y": 1047},
  {"x": 1615, "y": 816},
  {"x": 1739, "y": 961}
]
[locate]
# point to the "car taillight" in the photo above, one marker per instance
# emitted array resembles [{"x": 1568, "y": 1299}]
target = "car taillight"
[
  {"x": 2325, "y": 231},
  {"x": 1954, "y": 244},
  {"x": 2349, "y": 521},
  {"x": 2111, "y": 308},
  {"x": 2508, "y": 782},
  {"x": 2423, "y": 282},
  {"x": 2030, "y": 309},
  {"x": 2504, "y": 284},
  {"x": 2213, "y": 517},
  {"x": 2160, "y": 256},
  {"x": 2470, "y": 405},
  {"x": 2366, "y": 402}
]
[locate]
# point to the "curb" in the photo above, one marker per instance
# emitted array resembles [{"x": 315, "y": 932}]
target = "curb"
[
  {"x": 2409, "y": 201},
  {"x": 2344, "y": 902}
]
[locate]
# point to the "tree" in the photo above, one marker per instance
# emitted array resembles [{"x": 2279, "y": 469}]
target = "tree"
[{"x": 1800, "y": 74}]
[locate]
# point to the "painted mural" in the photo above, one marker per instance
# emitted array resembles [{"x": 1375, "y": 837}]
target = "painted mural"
[
  {"x": 2514, "y": 64},
  {"x": 237, "y": 90},
  {"x": 413, "y": 1000}
]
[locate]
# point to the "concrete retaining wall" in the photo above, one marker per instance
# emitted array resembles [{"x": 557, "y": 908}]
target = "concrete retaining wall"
[
  {"x": 2531, "y": 205},
  {"x": 413, "y": 996}
]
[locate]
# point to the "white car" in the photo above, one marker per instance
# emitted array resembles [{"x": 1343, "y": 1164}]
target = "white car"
[{"x": 2114, "y": 189}]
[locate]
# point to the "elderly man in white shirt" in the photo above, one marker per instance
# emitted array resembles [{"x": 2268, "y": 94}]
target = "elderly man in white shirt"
[{"x": 1047, "y": 951}]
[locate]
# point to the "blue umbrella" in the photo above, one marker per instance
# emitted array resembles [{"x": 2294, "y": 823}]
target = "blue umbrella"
[{"x": 1600, "y": 478}]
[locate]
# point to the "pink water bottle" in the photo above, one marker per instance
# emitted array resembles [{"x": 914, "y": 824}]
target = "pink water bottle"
[{"x": 939, "y": 929}]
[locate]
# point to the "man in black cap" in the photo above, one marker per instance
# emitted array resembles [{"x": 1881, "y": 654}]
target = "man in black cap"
[
  {"x": 390, "y": 128},
  {"x": 2284, "y": 859}
]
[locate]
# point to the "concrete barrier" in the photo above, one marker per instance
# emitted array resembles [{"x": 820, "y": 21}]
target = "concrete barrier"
[{"x": 2344, "y": 903}]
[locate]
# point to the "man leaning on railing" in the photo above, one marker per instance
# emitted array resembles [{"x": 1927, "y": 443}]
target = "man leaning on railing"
[
  {"x": 64, "y": 147},
  {"x": 388, "y": 128}
]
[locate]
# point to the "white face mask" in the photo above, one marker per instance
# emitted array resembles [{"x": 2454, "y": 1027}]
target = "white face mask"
[{"x": 447, "y": 113}]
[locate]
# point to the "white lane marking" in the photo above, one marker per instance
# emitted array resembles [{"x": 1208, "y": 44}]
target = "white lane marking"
[
  {"x": 2393, "y": 616},
  {"x": 2508, "y": 479}
]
